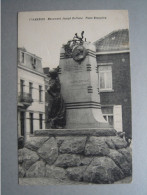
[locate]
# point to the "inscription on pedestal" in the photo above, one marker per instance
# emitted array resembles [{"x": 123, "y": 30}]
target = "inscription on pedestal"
[
  {"x": 73, "y": 67},
  {"x": 78, "y": 84}
]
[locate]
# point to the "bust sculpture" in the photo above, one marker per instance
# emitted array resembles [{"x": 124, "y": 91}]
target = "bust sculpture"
[{"x": 75, "y": 49}]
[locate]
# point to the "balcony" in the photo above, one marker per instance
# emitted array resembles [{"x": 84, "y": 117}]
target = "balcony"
[{"x": 24, "y": 99}]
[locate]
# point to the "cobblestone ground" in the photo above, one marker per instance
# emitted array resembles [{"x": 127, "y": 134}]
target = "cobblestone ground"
[{"x": 48, "y": 181}]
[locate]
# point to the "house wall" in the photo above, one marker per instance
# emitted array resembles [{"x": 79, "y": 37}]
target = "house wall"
[
  {"x": 27, "y": 73},
  {"x": 121, "y": 86},
  {"x": 28, "y": 61}
]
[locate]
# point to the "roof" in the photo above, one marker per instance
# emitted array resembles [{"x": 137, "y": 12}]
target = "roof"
[
  {"x": 30, "y": 61},
  {"x": 31, "y": 54},
  {"x": 115, "y": 41}
]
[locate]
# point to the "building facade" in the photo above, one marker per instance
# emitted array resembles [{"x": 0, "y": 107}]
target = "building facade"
[
  {"x": 113, "y": 60},
  {"x": 31, "y": 94}
]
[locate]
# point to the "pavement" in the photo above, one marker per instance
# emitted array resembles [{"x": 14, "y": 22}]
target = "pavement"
[{"x": 50, "y": 181}]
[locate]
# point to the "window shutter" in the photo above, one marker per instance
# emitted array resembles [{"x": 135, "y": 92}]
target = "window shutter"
[{"x": 117, "y": 111}]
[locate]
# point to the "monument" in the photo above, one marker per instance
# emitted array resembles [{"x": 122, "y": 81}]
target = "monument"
[
  {"x": 86, "y": 149},
  {"x": 78, "y": 76}
]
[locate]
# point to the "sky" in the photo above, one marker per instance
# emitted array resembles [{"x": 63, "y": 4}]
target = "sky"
[{"x": 43, "y": 33}]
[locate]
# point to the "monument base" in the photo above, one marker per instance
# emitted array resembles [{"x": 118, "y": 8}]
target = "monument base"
[
  {"x": 85, "y": 118},
  {"x": 78, "y": 132},
  {"x": 88, "y": 155}
]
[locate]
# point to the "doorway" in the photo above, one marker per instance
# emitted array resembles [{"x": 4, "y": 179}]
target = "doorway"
[
  {"x": 31, "y": 123},
  {"x": 22, "y": 123}
]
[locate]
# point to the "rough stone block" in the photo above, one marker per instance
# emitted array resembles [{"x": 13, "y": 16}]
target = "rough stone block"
[
  {"x": 67, "y": 160},
  {"x": 21, "y": 171},
  {"x": 36, "y": 170},
  {"x": 60, "y": 140},
  {"x": 119, "y": 142},
  {"x": 102, "y": 170},
  {"x": 109, "y": 142},
  {"x": 49, "y": 151},
  {"x": 86, "y": 160},
  {"x": 56, "y": 173},
  {"x": 20, "y": 142},
  {"x": 35, "y": 142},
  {"x": 20, "y": 156},
  {"x": 120, "y": 161},
  {"x": 27, "y": 157},
  {"x": 76, "y": 173},
  {"x": 74, "y": 145},
  {"x": 96, "y": 146},
  {"x": 127, "y": 152}
]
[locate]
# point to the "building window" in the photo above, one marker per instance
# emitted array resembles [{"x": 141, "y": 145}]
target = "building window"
[
  {"x": 113, "y": 115},
  {"x": 105, "y": 77},
  {"x": 30, "y": 89},
  {"x": 108, "y": 114},
  {"x": 22, "y": 57},
  {"x": 22, "y": 87},
  {"x": 33, "y": 62},
  {"x": 40, "y": 93},
  {"x": 40, "y": 120},
  {"x": 31, "y": 123}
]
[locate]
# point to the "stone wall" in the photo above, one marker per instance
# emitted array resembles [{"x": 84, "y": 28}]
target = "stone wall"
[{"x": 98, "y": 156}]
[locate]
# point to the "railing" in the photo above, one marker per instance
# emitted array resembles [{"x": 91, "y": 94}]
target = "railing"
[{"x": 25, "y": 98}]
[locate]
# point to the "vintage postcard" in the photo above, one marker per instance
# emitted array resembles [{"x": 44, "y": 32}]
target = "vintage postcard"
[{"x": 74, "y": 97}]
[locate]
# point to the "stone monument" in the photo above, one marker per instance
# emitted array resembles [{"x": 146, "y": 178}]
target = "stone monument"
[
  {"x": 78, "y": 76},
  {"x": 85, "y": 150}
]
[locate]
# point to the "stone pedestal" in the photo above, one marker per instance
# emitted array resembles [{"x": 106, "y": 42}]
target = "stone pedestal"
[
  {"x": 88, "y": 156},
  {"x": 79, "y": 88}
]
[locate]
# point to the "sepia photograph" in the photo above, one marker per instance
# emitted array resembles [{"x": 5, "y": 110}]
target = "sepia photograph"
[{"x": 74, "y": 115}]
